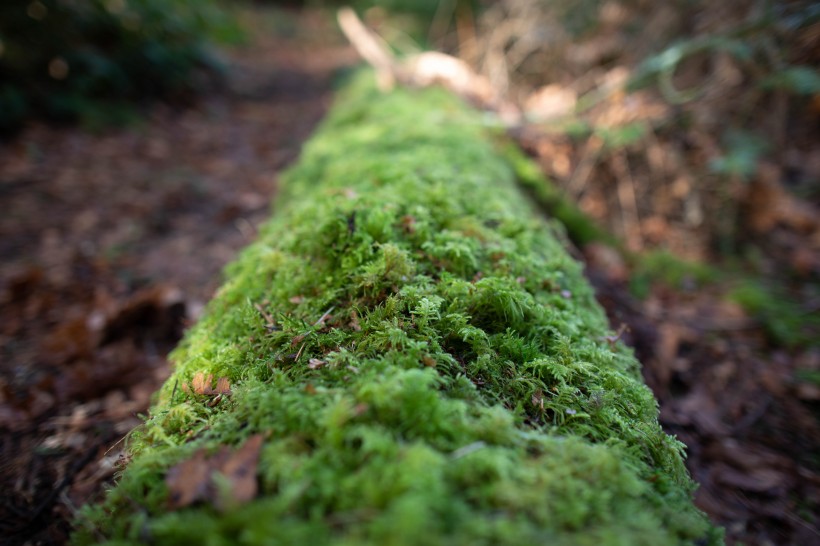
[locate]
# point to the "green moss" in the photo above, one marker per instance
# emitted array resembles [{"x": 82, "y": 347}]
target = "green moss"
[
  {"x": 666, "y": 268},
  {"x": 466, "y": 393},
  {"x": 579, "y": 227},
  {"x": 785, "y": 320}
]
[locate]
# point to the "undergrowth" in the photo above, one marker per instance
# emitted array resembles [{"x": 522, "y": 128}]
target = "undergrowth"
[
  {"x": 93, "y": 61},
  {"x": 425, "y": 361}
]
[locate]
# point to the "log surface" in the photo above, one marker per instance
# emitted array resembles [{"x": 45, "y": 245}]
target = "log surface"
[{"x": 412, "y": 357}]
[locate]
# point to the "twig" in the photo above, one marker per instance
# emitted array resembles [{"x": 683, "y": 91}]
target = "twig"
[
  {"x": 299, "y": 352},
  {"x": 589, "y": 158},
  {"x": 324, "y": 316},
  {"x": 627, "y": 199},
  {"x": 368, "y": 46},
  {"x": 422, "y": 70},
  {"x": 265, "y": 315}
]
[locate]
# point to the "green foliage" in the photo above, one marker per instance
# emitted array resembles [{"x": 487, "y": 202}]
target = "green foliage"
[
  {"x": 423, "y": 8},
  {"x": 662, "y": 66},
  {"x": 579, "y": 227},
  {"x": 663, "y": 267},
  {"x": 743, "y": 150},
  {"x": 425, "y": 361},
  {"x": 802, "y": 80},
  {"x": 616, "y": 138},
  {"x": 783, "y": 317},
  {"x": 808, "y": 376},
  {"x": 68, "y": 60}
]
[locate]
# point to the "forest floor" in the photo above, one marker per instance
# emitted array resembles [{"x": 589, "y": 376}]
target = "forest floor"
[{"x": 112, "y": 241}]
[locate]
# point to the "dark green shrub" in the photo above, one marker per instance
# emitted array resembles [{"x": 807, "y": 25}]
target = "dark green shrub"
[{"x": 64, "y": 60}]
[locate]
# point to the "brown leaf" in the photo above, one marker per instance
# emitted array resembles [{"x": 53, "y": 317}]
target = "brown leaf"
[
  {"x": 188, "y": 481},
  {"x": 223, "y": 386},
  {"x": 71, "y": 340},
  {"x": 192, "y": 480},
  {"x": 408, "y": 223},
  {"x": 354, "y": 321},
  {"x": 537, "y": 399},
  {"x": 606, "y": 261},
  {"x": 240, "y": 470},
  {"x": 757, "y": 480},
  {"x": 201, "y": 383},
  {"x": 156, "y": 312},
  {"x": 315, "y": 363},
  {"x": 549, "y": 102}
]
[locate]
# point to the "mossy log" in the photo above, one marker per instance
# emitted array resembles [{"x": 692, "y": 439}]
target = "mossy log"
[{"x": 414, "y": 359}]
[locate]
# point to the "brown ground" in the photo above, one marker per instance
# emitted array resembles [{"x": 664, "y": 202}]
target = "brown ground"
[{"x": 112, "y": 242}]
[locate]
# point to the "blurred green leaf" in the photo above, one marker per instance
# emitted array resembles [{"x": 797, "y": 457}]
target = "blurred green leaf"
[
  {"x": 781, "y": 315},
  {"x": 743, "y": 150},
  {"x": 802, "y": 80},
  {"x": 623, "y": 136}
]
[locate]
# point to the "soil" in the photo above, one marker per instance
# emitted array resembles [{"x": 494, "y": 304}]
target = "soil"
[{"x": 112, "y": 242}]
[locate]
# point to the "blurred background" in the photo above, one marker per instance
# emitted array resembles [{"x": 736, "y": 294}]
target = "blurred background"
[{"x": 678, "y": 141}]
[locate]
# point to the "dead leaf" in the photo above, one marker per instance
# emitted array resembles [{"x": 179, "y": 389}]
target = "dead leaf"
[
  {"x": 223, "y": 386},
  {"x": 408, "y": 224},
  {"x": 201, "y": 384},
  {"x": 155, "y": 313},
  {"x": 315, "y": 363},
  {"x": 537, "y": 399},
  {"x": 606, "y": 261},
  {"x": 240, "y": 470},
  {"x": 808, "y": 392},
  {"x": 758, "y": 480},
  {"x": 192, "y": 480},
  {"x": 549, "y": 102},
  {"x": 188, "y": 481},
  {"x": 354, "y": 321}
]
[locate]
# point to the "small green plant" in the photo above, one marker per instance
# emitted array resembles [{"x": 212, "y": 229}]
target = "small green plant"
[
  {"x": 666, "y": 268},
  {"x": 784, "y": 319},
  {"x": 801, "y": 80},
  {"x": 743, "y": 149}
]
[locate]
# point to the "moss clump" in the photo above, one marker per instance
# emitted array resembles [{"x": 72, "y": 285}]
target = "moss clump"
[{"x": 425, "y": 361}]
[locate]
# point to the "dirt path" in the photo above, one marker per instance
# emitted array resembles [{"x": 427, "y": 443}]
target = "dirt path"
[{"x": 110, "y": 242}]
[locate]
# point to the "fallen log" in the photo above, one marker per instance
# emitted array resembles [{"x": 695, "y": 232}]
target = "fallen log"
[{"x": 407, "y": 355}]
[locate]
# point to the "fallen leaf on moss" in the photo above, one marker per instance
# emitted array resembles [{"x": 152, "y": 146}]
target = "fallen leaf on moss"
[
  {"x": 354, "y": 321},
  {"x": 240, "y": 470},
  {"x": 201, "y": 384},
  {"x": 193, "y": 480},
  {"x": 315, "y": 363},
  {"x": 223, "y": 386},
  {"x": 408, "y": 223},
  {"x": 188, "y": 481}
]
